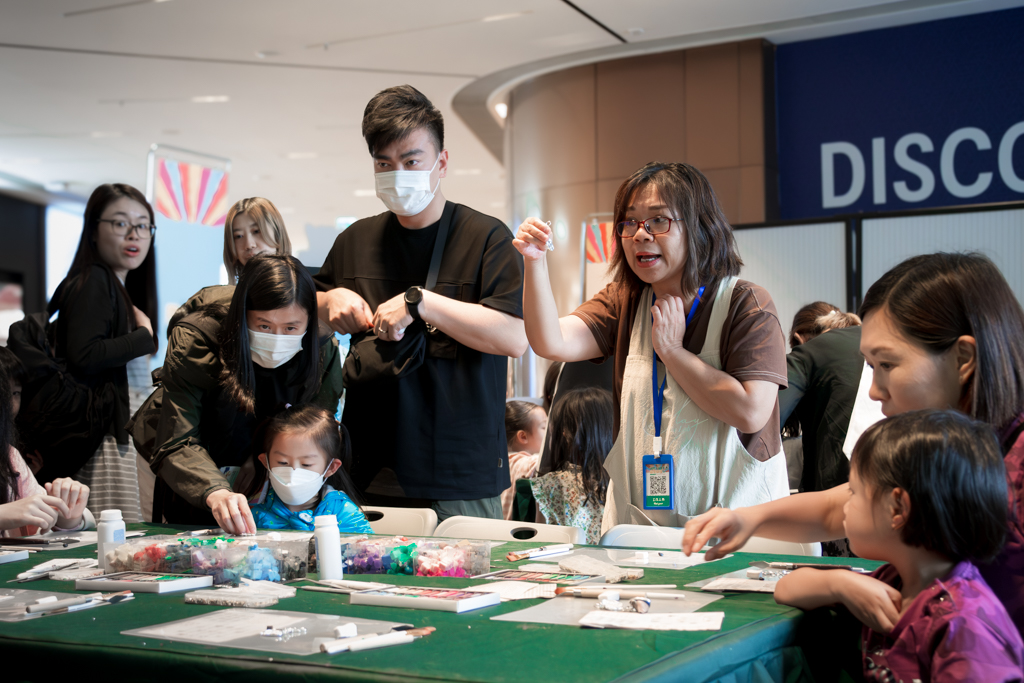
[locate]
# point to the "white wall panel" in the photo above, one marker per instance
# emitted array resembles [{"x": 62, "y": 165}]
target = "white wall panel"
[
  {"x": 997, "y": 234},
  {"x": 796, "y": 264}
]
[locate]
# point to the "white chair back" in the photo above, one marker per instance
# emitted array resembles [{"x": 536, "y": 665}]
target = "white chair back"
[
  {"x": 401, "y": 521},
  {"x": 504, "y": 530},
  {"x": 671, "y": 538}
]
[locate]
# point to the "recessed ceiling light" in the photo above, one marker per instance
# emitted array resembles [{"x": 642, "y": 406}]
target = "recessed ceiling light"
[
  {"x": 365, "y": 193},
  {"x": 635, "y": 31},
  {"x": 501, "y": 109},
  {"x": 467, "y": 171},
  {"x": 503, "y": 17},
  {"x": 263, "y": 54},
  {"x": 105, "y": 134},
  {"x": 56, "y": 186},
  {"x": 210, "y": 99},
  {"x": 302, "y": 155}
]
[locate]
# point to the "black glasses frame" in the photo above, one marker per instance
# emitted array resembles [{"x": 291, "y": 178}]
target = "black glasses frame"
[
  {"x": 142, "y": 228},
  {"x": 623, "y": 229}
]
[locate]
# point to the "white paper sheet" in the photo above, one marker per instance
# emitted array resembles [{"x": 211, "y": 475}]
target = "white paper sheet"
[
  {"x": 516, "y": 590},
  {"x": 660, "y": 559},
  {"x": 223, "y": 626},
  {"x": 695, "y": 621},
  {"x": 741, "y": 585},
  {"x": 85, "y": 538},
  {"x": 569, "y": 610}
]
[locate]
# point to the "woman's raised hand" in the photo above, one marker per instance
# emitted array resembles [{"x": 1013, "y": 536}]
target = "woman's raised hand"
[
  {"x": 669, "y": 324},
  {"x": 532, "y": 239},
  {"x": 142, "y": 320}
]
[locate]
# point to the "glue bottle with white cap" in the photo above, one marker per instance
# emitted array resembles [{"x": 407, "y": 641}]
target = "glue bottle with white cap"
[
  {"x": 328, "y": 546},
  {"x": 109, "y": 535}
]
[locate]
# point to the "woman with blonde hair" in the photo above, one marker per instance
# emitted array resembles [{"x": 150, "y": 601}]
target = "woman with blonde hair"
[{"x": 253, "y": 226}]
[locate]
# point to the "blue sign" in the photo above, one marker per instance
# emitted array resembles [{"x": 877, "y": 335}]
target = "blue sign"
[{"x": 903, "y": 118}]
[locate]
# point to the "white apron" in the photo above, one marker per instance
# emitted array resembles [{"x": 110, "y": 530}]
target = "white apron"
[{"x": 711, "y": 465}]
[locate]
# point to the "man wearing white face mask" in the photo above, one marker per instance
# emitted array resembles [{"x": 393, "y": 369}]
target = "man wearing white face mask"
[{"x": 434, "y": 436}]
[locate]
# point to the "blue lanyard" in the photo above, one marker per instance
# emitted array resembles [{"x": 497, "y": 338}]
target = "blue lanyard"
[{"x": 659, "y": 395}]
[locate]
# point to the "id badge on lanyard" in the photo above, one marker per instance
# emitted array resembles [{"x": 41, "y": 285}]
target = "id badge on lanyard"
[{"x": 658, "y": 469}]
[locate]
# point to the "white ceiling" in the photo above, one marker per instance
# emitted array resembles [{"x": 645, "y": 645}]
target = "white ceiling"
[{"x": 86, "y": 86}]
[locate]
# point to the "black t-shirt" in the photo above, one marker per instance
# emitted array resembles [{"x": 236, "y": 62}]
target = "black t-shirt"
[{"x": 442, "y": 428}]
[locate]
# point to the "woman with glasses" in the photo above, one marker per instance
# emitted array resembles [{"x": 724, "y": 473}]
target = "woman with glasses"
[
  {"x": 699, "y": 354},
  {"x": 105, "y": 306}
]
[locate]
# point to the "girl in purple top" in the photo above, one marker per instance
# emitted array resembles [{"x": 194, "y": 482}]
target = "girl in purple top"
[
  {"x": 927, "y": 495},
  {"x": 941, "y": 331}
]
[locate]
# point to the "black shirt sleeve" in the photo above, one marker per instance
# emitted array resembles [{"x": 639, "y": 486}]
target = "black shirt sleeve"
[
  {"x": 89, "y": 316},
  {"x": 502, "y": 274}
]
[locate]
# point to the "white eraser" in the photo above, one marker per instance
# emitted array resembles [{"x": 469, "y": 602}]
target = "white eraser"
[
  {"x": 754, "y": 573},
  {"x": 48, "y": 598},
  {"x": 345, "y": 630}
]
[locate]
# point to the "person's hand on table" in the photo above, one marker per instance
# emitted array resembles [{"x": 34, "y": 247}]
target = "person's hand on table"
[
  {"x": 75, "y": 495},
  {"x": 231, "y": 510},
  {"x": 532, "y": 239},
  {"x": 346, "y": 311},
  {"x": 875, "y": 603},
  {"x": 731, "y": 527},
  {"x": 39, "y": 511},
  {"x": 391, "y": 319}
]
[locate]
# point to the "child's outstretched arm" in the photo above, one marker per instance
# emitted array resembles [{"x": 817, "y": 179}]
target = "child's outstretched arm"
[{"x": 875, "y": 603}]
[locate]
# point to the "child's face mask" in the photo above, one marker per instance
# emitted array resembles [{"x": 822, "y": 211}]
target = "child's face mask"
[{"x": 296, "y": 486}]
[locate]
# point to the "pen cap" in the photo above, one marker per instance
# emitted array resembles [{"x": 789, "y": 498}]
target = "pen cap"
[
  {"x": 110, "y": 515},
  {"x": 323, "y": 520}
]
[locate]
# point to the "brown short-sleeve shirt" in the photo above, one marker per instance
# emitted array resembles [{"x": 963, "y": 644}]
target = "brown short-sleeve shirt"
[{"x": 753, "y": 346}]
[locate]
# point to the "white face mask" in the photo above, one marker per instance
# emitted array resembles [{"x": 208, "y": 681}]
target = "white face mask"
[
  {"x": 296, "y": 486},
  {"x": 406, "y": 192},
  {"x": 271, "y": 350}
]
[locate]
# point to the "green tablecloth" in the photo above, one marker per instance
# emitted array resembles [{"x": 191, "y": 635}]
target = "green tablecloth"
[{"x": 759, "y": 640}]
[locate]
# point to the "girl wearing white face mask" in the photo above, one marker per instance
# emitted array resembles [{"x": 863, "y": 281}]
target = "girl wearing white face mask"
[
  {"x": 228, "y": 369},
  {"x": 303, "y": 452}
]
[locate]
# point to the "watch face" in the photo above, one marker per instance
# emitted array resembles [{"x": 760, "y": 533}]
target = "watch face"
[{"x": 414, "y": 296}]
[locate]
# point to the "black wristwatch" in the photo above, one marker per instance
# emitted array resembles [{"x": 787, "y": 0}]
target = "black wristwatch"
[{"x": 413, "y": 297}]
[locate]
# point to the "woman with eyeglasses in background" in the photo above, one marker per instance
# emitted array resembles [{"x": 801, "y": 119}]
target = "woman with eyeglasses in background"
[
  {"x": 699, "y": 354},
  {"x": 106, "y": 303}
]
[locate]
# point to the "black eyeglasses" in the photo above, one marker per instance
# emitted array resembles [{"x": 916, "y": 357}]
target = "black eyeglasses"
[
  {"x": 122, "y": 228},
  {"x": 658, "y": 225}
]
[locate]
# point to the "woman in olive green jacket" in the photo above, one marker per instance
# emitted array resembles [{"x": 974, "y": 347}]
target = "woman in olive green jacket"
[{"x": 228, "y": 368}]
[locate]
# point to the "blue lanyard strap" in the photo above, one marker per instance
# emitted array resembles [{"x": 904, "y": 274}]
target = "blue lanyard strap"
[{"x": 659, "y": 394}]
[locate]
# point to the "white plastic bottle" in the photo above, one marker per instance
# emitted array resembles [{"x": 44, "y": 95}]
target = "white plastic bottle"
[
  {"x": 328, "y": 546},
  {"x": 110, "y": 534}
]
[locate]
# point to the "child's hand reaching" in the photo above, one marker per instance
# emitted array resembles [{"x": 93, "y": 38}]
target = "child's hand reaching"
[{"x": 875, "y": 603}]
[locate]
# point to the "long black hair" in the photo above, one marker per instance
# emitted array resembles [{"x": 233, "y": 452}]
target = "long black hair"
[
  {"x": 268, "y": 282},
  {"x": 8, "y": 478},
  {"x": 580, "y": 436},
  {"x": 139, "y": 288}
]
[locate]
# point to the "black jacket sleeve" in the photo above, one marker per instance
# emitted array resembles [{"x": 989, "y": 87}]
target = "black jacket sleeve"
[{"x": 91, "y": 320}]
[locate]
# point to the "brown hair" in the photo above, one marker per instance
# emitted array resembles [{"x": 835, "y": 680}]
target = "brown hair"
[
  {"x": 935, "y": 299},
  {"x": 271, "y": 225},
  {"x": 817, "y": 318},
  {"x": 710, "y": 246},
  {"x": 953, "y": 471},
  {"x": 394, "y": 113}
]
